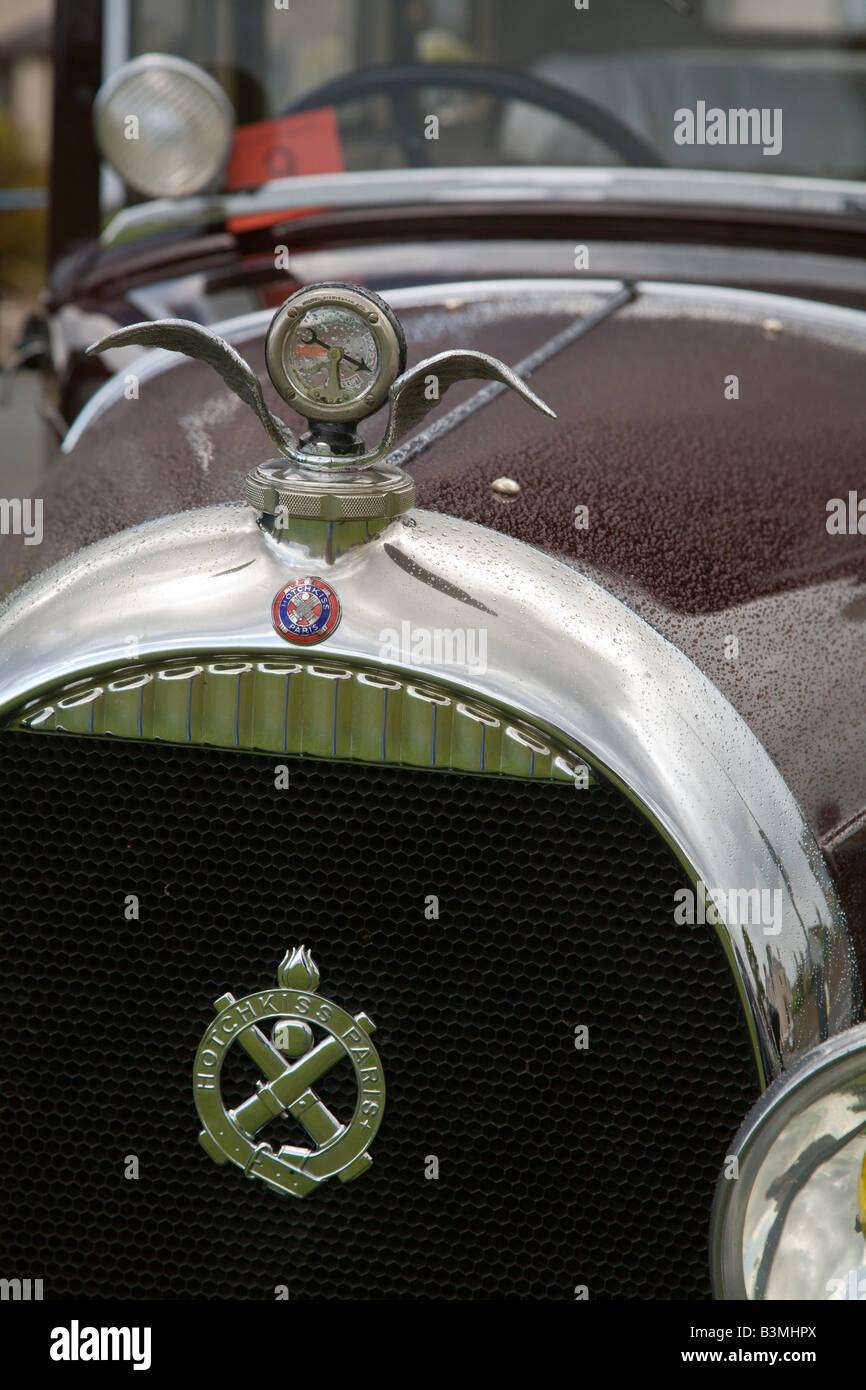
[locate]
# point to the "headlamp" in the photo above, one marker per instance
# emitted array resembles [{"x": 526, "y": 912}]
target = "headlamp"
[
  {"x": 164, "y": 124},
  {"x": 788, "y": 1216}
]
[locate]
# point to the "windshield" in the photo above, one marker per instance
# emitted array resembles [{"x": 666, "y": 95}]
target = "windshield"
[{"x": 753, "y": 86}]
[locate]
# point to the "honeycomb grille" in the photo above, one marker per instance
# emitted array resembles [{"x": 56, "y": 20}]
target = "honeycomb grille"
[{"x": 558, "y": 1167}]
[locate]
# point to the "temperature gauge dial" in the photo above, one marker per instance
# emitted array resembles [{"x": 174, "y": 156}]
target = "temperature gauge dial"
[{"x": 333, "y": 351}]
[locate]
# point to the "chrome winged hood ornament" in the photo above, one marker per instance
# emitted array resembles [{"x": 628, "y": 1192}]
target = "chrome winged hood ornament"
[
  {"x": 182, "y": 335},
  {"x": 335, "y": 353}
]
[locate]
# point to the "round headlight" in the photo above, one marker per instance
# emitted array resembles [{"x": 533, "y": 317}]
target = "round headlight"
[
  {"x": 788, "y": 1221},
  {"x": 164, "y": 124}
]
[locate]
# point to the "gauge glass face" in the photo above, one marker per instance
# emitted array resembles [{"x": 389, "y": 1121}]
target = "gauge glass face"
[{"x": 332, "y": 355}]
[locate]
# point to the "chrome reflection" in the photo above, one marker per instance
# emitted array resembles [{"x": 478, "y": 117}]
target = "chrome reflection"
[
  {"x": 788, "y": 1222},
  {"x": 579, "y": 667}
]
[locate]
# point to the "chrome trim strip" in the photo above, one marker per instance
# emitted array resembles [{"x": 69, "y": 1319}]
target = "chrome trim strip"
[
  {"x": 701, "y": 263},
  {"x": 578, "y": 664},
  {"x": 115, "y": 52},
  {"x": 534, "y": 184},
  {"x": 808, "y": 314}
]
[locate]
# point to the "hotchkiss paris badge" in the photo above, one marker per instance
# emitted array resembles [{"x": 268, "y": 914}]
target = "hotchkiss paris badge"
[
  {"x": 230, "y": 1135},
  {"x": 306, "y": 610}
]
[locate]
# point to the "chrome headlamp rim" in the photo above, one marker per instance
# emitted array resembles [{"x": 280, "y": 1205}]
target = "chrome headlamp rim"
[
  {"x": 165, "y": 62},
  {"x": 826, "y": 1068}
]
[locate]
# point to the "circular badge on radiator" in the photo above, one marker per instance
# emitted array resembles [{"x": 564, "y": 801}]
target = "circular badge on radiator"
[{"x": 306, "y": 610}]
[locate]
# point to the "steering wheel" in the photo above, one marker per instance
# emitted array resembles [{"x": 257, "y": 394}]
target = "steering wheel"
[{"x": 397, "y": 80}]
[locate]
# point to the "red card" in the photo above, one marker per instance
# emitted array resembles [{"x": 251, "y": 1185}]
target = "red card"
[{"x": 308, "y": 143}]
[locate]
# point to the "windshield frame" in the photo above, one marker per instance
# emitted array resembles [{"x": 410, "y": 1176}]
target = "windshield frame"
[{"x": 665, "y": 190}]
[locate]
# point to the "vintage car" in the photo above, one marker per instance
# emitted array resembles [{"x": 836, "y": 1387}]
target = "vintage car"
[{"x": 451, "y": 587}]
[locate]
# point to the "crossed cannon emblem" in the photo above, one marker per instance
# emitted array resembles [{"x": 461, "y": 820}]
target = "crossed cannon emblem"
[
  {"x": 304, "y": 608},
  {"x": 230, "y": 1135}
]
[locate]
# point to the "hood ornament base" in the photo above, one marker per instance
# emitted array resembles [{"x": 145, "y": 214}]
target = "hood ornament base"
[{"x": 292, "y": 491}]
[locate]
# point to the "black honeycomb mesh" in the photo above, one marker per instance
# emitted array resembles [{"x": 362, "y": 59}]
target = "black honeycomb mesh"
[{"x": 558, "y": 1167}]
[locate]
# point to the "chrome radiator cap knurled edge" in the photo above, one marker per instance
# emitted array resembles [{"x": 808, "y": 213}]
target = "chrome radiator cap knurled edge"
[{"x": 329, "y": 494}]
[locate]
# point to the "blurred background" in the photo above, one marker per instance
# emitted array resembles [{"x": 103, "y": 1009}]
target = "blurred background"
[
  {"x": 25, "y": 141},
  {"x": 639, "y": 58},
  {"x": 25, "y": 138}
]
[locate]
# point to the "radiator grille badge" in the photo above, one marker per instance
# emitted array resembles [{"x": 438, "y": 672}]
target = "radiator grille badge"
[
  {"x": 306, "y": 611},
  {"x": 292, "y": 1060}
]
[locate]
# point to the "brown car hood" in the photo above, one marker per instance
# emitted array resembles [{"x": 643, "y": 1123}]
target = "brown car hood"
[{"x": 707, "y": 515}]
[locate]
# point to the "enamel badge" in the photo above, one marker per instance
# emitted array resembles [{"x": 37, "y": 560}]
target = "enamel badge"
[{"x": 306, "y": 610}]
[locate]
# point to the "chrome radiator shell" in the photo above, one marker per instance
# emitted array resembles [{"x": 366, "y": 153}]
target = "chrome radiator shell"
[{"x": 562, "y": 654}]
